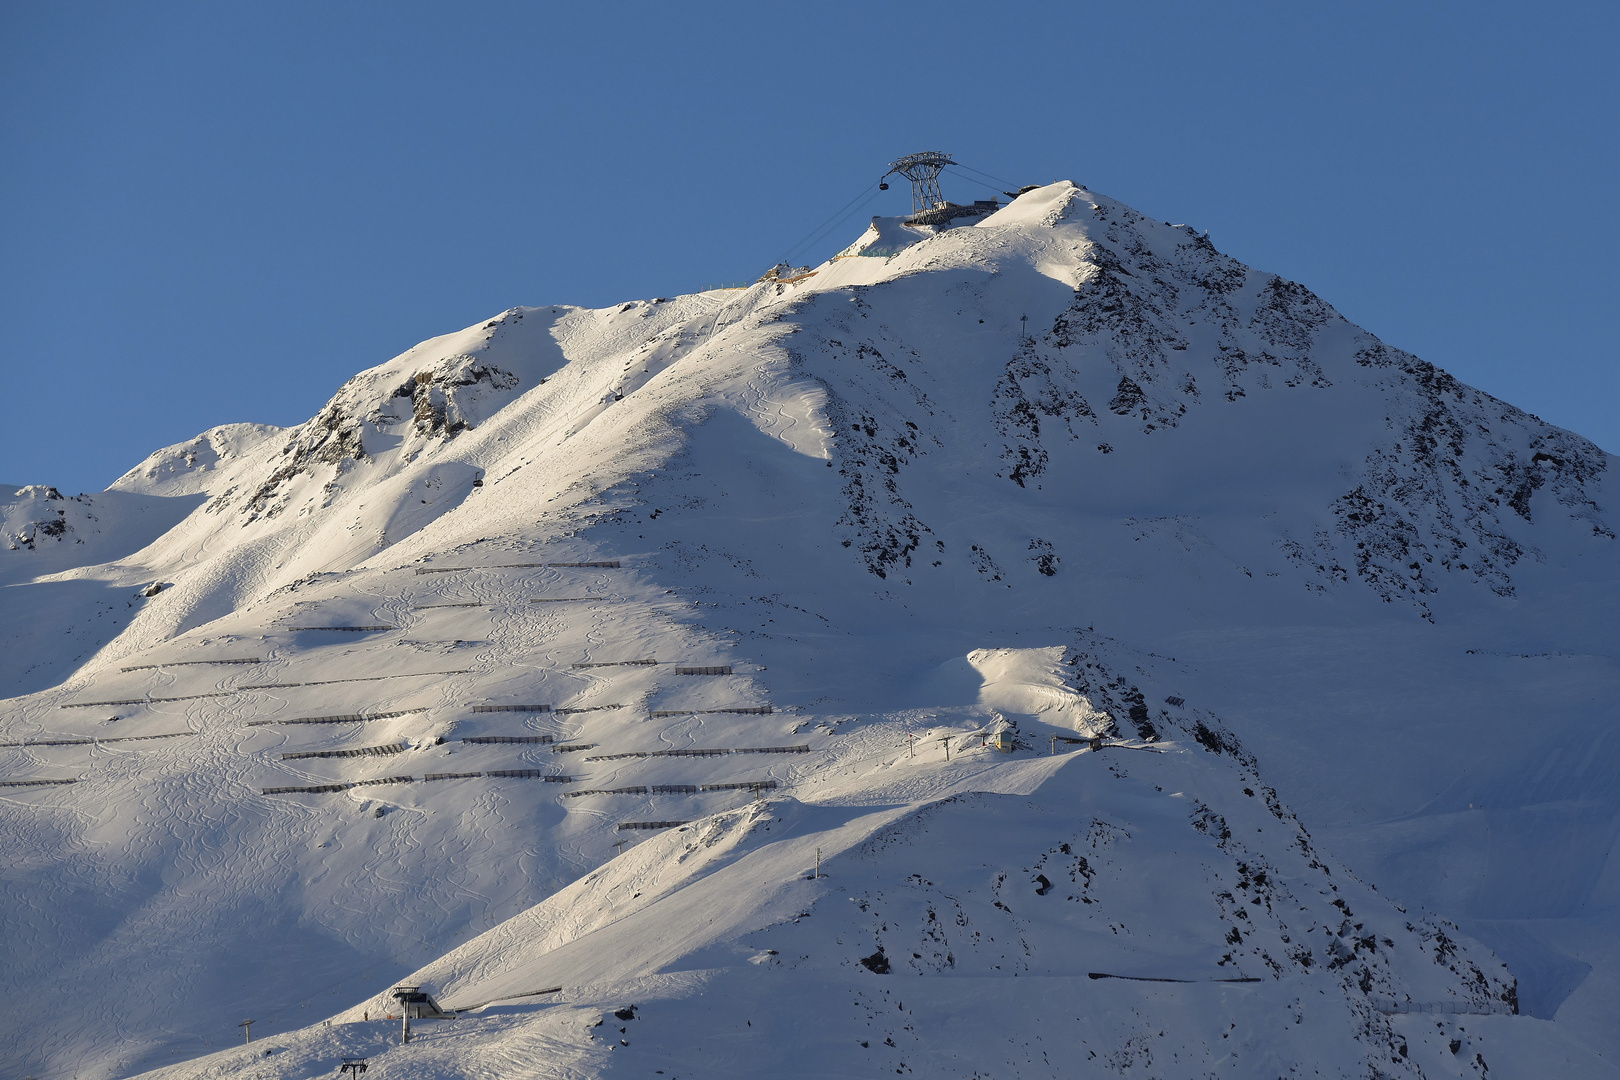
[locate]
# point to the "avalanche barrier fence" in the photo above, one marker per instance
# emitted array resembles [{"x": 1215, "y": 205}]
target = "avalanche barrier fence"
[
  {"x": 344, "y": 629},
  {"x": 747, "y": 710},
  {"x": 359, "y": 751},
  {"x": 802, "y": 748},
  {"x": 251, "y": 687},
  {"x": 607, "y": 564},
  {"x": 94, "y": 741},
  {"x": 508, "y": 739},
  {"x": 339, "y": 718},
  {"x": 340, "y": 786},
  {"x": 519, "y": 774},
  {"x": 624, "y": 825},
  {"x": 184, "y": 663}
]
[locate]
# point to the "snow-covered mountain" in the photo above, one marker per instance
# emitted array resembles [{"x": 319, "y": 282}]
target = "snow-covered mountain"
[{"x": 1167, "y": 677}]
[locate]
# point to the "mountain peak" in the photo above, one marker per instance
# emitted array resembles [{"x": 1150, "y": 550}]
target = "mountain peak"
[{"x": 1058, "y": 579}]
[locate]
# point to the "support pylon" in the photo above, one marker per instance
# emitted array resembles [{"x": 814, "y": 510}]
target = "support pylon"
[{"x": 922, "y": 169}]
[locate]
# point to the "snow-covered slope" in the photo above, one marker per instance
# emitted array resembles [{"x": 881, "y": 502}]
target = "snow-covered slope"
[{"x": 761, "y": 574}]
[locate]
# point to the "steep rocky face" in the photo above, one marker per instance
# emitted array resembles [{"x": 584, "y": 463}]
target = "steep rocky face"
[
  {"x": 438, "y": 398},
  {"x": 1160, "y": 327}
]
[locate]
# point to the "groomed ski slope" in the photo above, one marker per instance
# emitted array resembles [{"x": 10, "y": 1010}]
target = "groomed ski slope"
[{"x": 1381, "y": 601}]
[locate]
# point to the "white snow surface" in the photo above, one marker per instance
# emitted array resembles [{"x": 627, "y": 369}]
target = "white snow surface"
[{"x": 1306, "y": 653}]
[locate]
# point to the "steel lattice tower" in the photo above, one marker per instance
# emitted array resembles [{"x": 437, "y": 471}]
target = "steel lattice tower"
[{"x": 923, "y": 171}]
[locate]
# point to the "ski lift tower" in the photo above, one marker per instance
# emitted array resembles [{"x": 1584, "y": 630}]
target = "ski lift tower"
[{"x": 923, "y": 171}]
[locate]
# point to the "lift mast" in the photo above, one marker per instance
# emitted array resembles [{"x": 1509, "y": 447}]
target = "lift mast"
[{"x": 922, "y": 170}]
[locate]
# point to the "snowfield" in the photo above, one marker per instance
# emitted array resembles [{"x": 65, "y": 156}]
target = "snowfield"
[{"x": 834, "y": 678}]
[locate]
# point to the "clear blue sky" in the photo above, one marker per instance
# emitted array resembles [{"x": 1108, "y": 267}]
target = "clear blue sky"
[{"x": 216, "y": 212}]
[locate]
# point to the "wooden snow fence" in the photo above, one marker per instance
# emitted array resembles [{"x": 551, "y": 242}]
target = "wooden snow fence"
[
  {"x": 95, "y": 741},
  {"x": 508, "y": 739},
  {"x": 627, "y": 825},
  {"x": 573, "y": 748},
  {"x": 339, "y": 718},
  {"x": 605, "y": 564},
  {"x": 713, "y": 669},
  {"x": 802, "y": 748},
  {"x": 451, "y": 775},
  {"x": 746, "y": 785},
  {"x": 586, "y": 708},
  {"x": 430, "y": 607},
  {"x": 35, "y": 783},
  {"x": 674, "y": 789},
  {"x": 638, "y": 790},
  {"x": 745, "y": 710},
  {"x": 563, "y": 599},
  {"x": 616, "y": 663},
  {"x": 184, "y": 663},
  {"x": 358, "y": 751}
]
